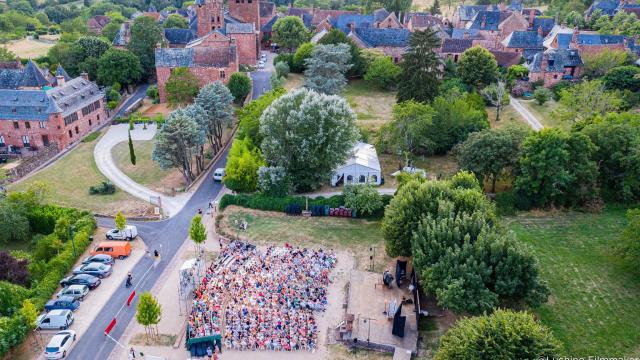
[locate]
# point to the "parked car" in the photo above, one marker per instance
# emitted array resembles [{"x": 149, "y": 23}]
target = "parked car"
[
  {"x": 218, "y": 174},
  {"x": 59, "y": 344},
  {"x": 98, "y": 270},
  {"x": 117, "y": 249},
  {"x": 81, "y": 279},
  {"x": 128, "y": 233},
  {"x": 55, "y": 319},
  {"x": 61, "y": 303},
  {"x": 100, "y": 258},
  {"x": 78, "y": 292}
]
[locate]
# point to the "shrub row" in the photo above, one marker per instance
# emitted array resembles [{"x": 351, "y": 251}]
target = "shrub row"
[{"x": 268, "y": 203}]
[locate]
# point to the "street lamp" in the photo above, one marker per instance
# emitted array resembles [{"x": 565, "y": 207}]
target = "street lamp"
[{"x": 72, "y": 229}]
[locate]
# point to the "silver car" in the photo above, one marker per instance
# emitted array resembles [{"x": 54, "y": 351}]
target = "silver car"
[
  {"x": 98, "y": 270},
  {"x": 78, "y": 292}
]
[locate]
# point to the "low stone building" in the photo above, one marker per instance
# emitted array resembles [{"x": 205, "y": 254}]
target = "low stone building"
[
  {"x": 553, "y": 66},
  {"x": 392, "y": 42}
]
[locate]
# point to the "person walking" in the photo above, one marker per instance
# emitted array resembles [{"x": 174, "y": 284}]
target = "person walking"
[
  {"x": 209, "y": 353},
  {"x": 132, "y": 354}
]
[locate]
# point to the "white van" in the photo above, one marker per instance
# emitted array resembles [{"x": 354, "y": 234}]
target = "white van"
[
  {"x": 218, "y": 174},
  {"x": 55, "y": 319},
  {"x": 128, "y": 233}
]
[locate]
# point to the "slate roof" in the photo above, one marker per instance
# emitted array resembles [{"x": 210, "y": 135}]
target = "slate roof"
[
  {"x": 239, "y": 28},
  {"x": 485, "y": 20},
  {"x": 523, "y": 40},
  {"x": 557, "y": 60},
  {"x": 194, "y": 57},
  {"x": 26, "y": 105},
  {"x": 380, "y": 14},
  {"x": 266, "y": 8},
  {"x": 61, "y": 72},
  {"x": 374, "y": 37},
  {"x": 29, "y": 76},
  {"x": 269, "y": 25},
  {"x": 608, "y": 7},
  {"x": 597, "y": 39},
  {"x": 423, "y": 20},
  {"x": 546, "y": 23},
  {"x": 506, "y": 58},
  {"x": 342, "y": 22},
  {"x": 467, "y": 12},
  {"x": 562, "y": 33},
  {"x": 121, "y": 37},
  {"x": 179, "y": 36},
  {"x": 459, "y": 33},
  {"x": 293, "y": 11},
  {"x": 455, "y": 46},
  {"x": 74, "y": 95},
  {"x": 516, "y": 5}
]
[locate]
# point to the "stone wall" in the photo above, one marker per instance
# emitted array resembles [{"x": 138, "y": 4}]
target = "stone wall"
[
  {"x": 205, "y": 76},
  {"x": 247, "y": 48},
  {"x": 246, "y": 10}
]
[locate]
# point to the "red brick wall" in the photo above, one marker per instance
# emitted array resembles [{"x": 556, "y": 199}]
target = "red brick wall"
[
  {"x": 552, "y": 78},
  {"x": 394, "y": 52},
  {"x": 247, "y": 48},
  {"x": 391, "y": 22},
  {"x": 54, "y": 129},
  {"x": 210, "y": 16},
  {"x": 246, "y": 10},
  {"x": 205, "y": 76}
]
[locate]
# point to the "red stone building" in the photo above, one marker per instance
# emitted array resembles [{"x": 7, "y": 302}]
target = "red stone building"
[{"x": 34, "y": 114}]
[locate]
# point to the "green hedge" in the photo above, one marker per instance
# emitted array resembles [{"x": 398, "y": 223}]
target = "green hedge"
[
  {"x": 14, "y": 329},
  {"x": 267, "y": 203}
]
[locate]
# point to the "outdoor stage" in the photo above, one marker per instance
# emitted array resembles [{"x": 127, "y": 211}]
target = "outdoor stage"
[{"x": 365, "y": 317}]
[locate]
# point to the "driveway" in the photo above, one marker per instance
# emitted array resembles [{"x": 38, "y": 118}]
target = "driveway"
[
  {"x": 261, "y": 79},
  {"x": 139, "y": 93},
  {"x": 104, "y": 161},
  {"x": 526, "y": 114}
]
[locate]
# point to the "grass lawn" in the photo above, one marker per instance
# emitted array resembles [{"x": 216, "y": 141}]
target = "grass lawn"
[
  {"x": 145, "y": 171},
  {"x": 544, "y": 113},
  {"x": 29, "y": 48},
  {"x": 293, "y": 81},
  {"x": 69, "y": 179},
  {"x": 594, "y": 307},
  {"x": 353, "y": 235},
  {"x": 508, "y": 116},
  {"x": 373, "y": 106}
]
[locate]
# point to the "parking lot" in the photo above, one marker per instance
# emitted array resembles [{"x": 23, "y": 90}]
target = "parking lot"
[{"x": 96, "y": 299}]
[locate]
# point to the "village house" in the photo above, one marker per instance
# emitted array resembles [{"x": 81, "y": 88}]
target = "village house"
[
  {"x": 554, "y": 65},
  {"x": 495, "y": 26},
  {"x": 453, "y": 48},
  {"x": 612, "y": 7},
  {"x": 392, "y": 42},
  {"x": 38, "y": 109},
  {"x": 97, "y": 23}
]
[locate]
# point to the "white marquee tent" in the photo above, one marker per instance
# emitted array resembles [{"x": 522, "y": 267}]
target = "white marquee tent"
[{"x": 362, "y": 167}]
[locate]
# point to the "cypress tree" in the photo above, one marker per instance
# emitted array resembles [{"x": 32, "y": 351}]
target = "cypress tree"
[{"x": 132, "y": 153}]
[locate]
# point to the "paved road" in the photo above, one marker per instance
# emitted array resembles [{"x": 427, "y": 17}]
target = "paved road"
[
  {"x": 139, "y": 93},
  {"x": 261, "y": 83},
  {"x": 167, "y": 235},
  {"x": 526, "y": 114}
]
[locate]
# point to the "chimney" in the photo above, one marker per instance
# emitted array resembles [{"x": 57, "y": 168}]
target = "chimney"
[
  {"x": 484, "y": 22},
  {"x": 544, "y": 63},
  {"x": 540, "y": 32},
  {"x": 60, "y": 80},
  {"x": 574, "y": 38},
  {"x": 84, "y": 75},
  {"x": 532, "y": 15}
]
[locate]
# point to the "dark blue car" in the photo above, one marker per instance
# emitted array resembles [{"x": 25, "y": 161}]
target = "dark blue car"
[{"x": 62, "y": 303}]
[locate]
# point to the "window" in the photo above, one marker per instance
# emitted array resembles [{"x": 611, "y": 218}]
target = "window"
[
  {"x": 374, "y": 178},
  {"x": 222, "y": 74},
  {"x": 349, "y": 178},
  {"x": 71, "y": 118},
  {"x": 2, "y": 143},
  {"x": 16, "y": 125},
  {"x": 91, "y": 108},
  {"x": 555, "y": 76},
  {"x": 27, "y": 125},
  {"x": 98, "y": 118},
  {"x": 70, "y": 134},
  {"x": 45, "y": 140},
  {"x": 25, "y": 140},
  {"x": 43, "y": 124},
  {"x": 362, "y": 179},
  {"x": 90, "y": 122},
  {"x": 77, "y": 131}
]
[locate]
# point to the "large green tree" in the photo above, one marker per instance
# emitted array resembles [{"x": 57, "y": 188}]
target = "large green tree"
[
  {"x": 492, "y": 153},
  {"x": 455, "y": 118},
  {"x": 503, "y": 334},
  {"x": 383, "y": 73},
  {"x": 326, "y": 68},
  {"x": 249, "y": 116},
  {"x": 309, "y": 134},
  {"x": 175, "y": 21},
  {"x": 335, "y": 37},
  {"x": 289, "y": 32},
  {"x": 14, "y": 226},
  {"x": 408, "y": 132},
  {"x": 146, "y": 34},
  {"x": 587, "y": 99},
  {"x": 421, "y": 70},
  {"x": 216, "y": 100},
  {"x": 555, "y": 168},
  {"x": 477, "y": 67},
  {"x": 243, "y": 162},
  {"x": 118, "y": 66},
  {"x": 623, "y": 78},
  {"x": 84, "y": 55},
  {"x": 240, "y": 86},
  {"x": 177, "y": 143},
  {"x": 303, "y": 52},
  {"x": 181, "y": 87}
]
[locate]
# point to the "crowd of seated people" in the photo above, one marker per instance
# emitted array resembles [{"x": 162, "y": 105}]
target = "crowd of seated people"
[{"x": 263, "y": 300}]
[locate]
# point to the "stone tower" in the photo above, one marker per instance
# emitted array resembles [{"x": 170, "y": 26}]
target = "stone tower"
[
  {"x": 247, "y": 11},
  {"x": 210, "y": 16}
]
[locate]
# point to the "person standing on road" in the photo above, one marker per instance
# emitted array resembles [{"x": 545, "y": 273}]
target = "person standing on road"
[
  {"x": 132, "y": 354},
  {"x": 209, "y": 352}
]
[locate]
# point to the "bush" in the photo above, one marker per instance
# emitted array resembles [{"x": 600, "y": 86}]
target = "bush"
[
  {"x": 113, "y": 95},
  {"x": 285, "y": 58},
  {"x": 282, "y": 69},
  {"x": 303, "y": 52},
  {"x": 557, "y": 88},
  {"x": 542, "y": 95},
  {"x": 239, "y": 85},
  {"x": 106, "y": 188},
  {"x": 505, "y": 203},
  {"x": 153, "y": 93},
  {"x": 89, "y": 138},
  {"x": 112, "y": 105},
  {"x": 364, "y": 198},
  {"x": 383, "y": 73},
  {"x": 273, "y": 181}
]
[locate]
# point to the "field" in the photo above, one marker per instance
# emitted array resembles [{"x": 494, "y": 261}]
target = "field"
[
  {"x": 29, "y": 48},
  {"x": 145, "y": 172},
  {"x": 593, "y": 308},
  {"x": 69, "y": 179},
  {"x": 372, "y": 106},
  {"x": 508, "y": 116},
  {"x": 544, "y": 113}
]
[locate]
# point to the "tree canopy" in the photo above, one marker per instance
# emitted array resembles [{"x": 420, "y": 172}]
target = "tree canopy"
[
  {"x": 118, "y": 66},
  {"x": 326, "y": 68},
  {"x": 477, "y": 67},
  {"x": 421, "y": 72},
  {"x": 243, "y": 162},
  {"x": 335, "y": 37},
  {"x": 289, "y": 32},
  {"x": 175, "y": 21},
  {"x": 146, "y": 34},
  {"x": 181, "y": 87},
  {"x": 309, "y": 135},
  {"x": 240, "y": 86}
]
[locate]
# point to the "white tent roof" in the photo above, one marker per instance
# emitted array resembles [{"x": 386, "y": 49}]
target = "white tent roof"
[
  {"x": 188, "y": 264},
  {"x": 365, "y": 155}
]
